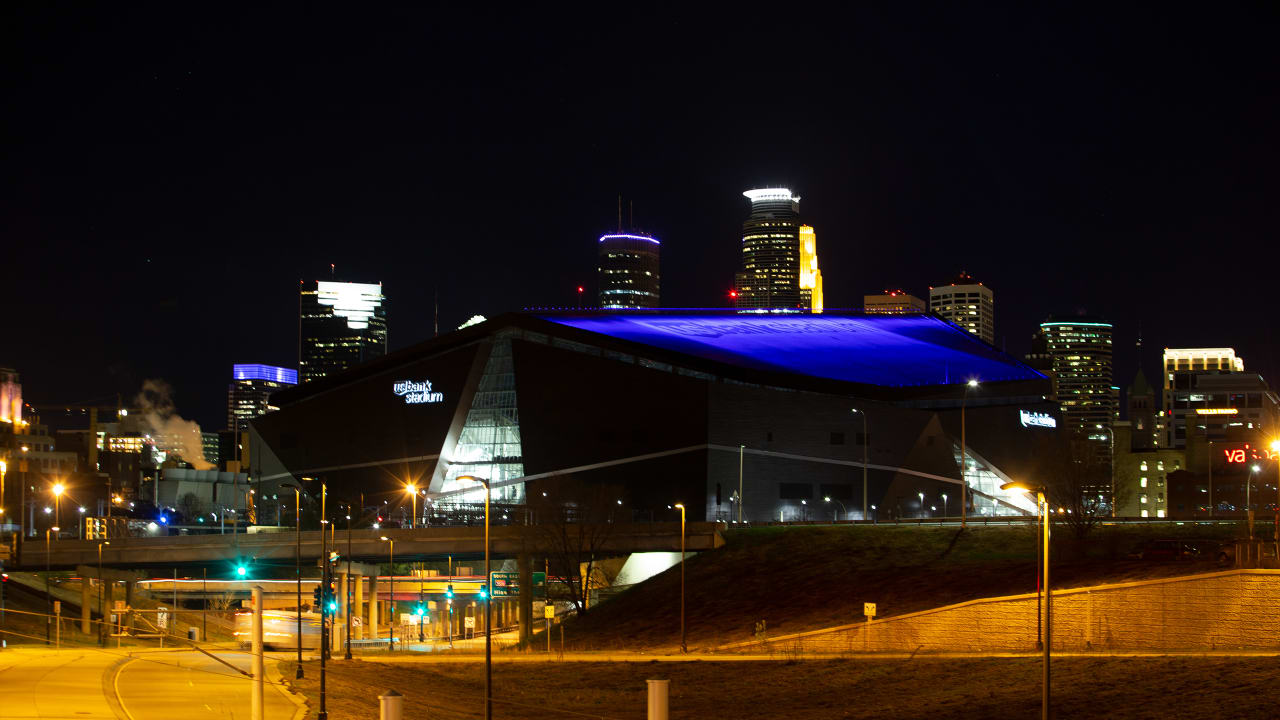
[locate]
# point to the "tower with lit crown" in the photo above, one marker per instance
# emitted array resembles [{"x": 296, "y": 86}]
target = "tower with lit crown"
[
  {"x": 340, "y": 324},
  {"x": 779, "y": 255}
]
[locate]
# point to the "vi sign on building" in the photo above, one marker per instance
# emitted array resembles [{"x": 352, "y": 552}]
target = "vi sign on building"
[{"x": 417, "y": 392}]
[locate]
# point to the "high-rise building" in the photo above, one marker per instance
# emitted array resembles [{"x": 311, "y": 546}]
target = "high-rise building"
[
  {"x": 1080, "y": 350},
  {"x": 810, "y": 275},
  {"x": 628, "y": 271},
  {"x": 340, "y": 324},
  {"x": 1041, "y": 360},
  {"x": 778, "y": 270},
  {"x": 966, "y": 303},
  {"x": 10, "y": 396},
  {"x": 249, "y": 395},
  {"x": 893, "y": 302},
  {"x": 1207, "y": 392}
]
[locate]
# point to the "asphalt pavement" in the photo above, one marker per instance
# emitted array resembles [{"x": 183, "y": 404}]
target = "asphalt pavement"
[{"x": 138, "y": 685}]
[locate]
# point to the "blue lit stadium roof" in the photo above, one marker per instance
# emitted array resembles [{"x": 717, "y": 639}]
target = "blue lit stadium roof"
[
  {"x": 886, "y": 350},
  {"x": 253, "y": 371}
]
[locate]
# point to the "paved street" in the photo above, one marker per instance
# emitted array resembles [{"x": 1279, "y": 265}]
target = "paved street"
[{"x": 149, "y": 685}]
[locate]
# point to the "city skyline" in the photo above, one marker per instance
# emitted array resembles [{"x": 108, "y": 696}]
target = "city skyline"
[{"x": 927, "y": 173}]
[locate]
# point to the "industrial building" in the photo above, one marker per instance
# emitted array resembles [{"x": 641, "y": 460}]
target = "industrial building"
[{"x": 767, "y": 417}]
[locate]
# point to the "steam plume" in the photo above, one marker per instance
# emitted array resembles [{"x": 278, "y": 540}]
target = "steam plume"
[{"x": 171, "y": 432}]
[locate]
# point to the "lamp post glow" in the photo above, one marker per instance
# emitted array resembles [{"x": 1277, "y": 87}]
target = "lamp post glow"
[
  {"x": 921, "y": 496},
  {"x": 684, "y": 645},
  {"x": 57, "y": 490},
  {"x": 488, "y": 604},
  {"x": 413, "y": 504},
  {"x": 828, "y": 499},
  {"x": 1042, "y": 504},
  {"x": 866, "y": 443},
  {"x": 964, "y": 460},
  {"x": 391, "y": 626},
  {"x": 944, "y": 505}
]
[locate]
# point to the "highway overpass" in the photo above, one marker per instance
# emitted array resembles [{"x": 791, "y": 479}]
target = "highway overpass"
[{"x": 279, "y": 548}]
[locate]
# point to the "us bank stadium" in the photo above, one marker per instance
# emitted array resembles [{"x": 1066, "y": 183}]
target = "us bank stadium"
[{"x": 763, "y": 417}]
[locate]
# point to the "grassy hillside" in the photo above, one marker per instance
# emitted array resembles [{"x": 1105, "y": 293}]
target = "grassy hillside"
[{"x": 803, "y": 578}]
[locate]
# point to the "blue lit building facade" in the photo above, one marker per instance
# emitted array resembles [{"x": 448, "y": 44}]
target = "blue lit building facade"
[
  {"x": 673, "y": 407},
  {"x": 249, "y": 395},
  {"x": 628, "y": 271}
]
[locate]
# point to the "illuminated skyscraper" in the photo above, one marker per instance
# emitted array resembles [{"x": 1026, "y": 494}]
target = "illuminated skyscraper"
[
  {"x": 966, "y": 303},
  {"x": 1079, "y": 349},
  {"x": 339, "y": 325},
  {"x": 893, "y": 302},
  {"x": 249, "y": 394},
  {"x": 628, "y": 271},
  {"x": 778, "y": 270}
]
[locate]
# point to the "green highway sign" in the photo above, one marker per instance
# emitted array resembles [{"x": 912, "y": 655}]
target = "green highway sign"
[{"x": 507, "y": 584}]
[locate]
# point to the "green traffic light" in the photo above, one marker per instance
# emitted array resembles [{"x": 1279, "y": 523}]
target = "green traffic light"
[{"x": 242, "y": 571}]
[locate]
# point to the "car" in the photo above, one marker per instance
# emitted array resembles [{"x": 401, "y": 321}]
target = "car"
[{"x": 1167, "y": 550}]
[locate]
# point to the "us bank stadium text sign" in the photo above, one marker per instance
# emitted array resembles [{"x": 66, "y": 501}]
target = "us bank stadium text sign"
[
  {"x": 1037, "y": 419},
  {"x": 417, "y": 392}
]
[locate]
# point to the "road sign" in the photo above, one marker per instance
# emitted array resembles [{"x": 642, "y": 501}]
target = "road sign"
[
  {"x": 507, "y": 584},
  {"x": 57, "y": 607},
  {"x": 162, "y": 617},
  {"x": 869, "y": 609},
  {"x": 469, "y": 623},
  {"x": 548, "y": 611}
]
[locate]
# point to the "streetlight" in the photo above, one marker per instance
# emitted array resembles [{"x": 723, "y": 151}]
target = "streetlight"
[
  {"x": 49, "y": 594},
  {"x": 413, "y": 503},
  {"x": 741, "y": 449},
  {"x": 488, "y": 604},
  {"x": 391, "y": 626},
  {"x": 1248, "y": 502},
  {"x": 1042, "y": 504},
  {"x": 1111, "y": 454},
  {"x": 684, "y": 645},
  {"x": 827, "y": 499},
  {"x": 297, "y": 560},
  {"x": 102, "y": 618},
  {"x": 1275, "y": 448},
  {"x": 964, "y": 460},
  {"x": 921, "y": 496},
  {"x": 57, "y": 490},
  {"x": 866, "y": 443},
  {"x": 944, "y": 504}
]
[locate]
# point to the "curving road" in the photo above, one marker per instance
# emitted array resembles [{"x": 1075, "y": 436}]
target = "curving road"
[{"x": 115, "y": 685}]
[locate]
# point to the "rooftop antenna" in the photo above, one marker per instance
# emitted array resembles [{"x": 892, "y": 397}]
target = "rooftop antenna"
[
  {"x": 333, "y": 272},
  {"x": 619, "y": 213}
]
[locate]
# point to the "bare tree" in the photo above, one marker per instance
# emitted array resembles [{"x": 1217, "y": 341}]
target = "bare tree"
[
  {"x": 191, "y": 507},
  {"x": 1078, "y": 482},
  {"x": 572, "y": 522}
]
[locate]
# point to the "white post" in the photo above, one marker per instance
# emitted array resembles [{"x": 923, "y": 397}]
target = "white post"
[
  {"x": 256, "y": 706},
  {"x": 390, "y": 705},
  {"x": 658, "y": 693}
]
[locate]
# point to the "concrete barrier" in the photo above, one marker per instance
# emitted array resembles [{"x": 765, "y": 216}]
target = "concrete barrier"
[{"x": 1231, "y": 610}]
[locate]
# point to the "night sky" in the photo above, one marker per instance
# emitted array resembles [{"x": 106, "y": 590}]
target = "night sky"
[{"x": 170, "y": 175}]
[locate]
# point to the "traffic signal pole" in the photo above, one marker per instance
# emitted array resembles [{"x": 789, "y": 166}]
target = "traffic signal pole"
[{"x": 324, "y": 617}]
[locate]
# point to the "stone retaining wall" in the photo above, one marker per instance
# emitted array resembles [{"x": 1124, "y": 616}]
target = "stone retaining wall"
[{"x": 1236, "y": 609}]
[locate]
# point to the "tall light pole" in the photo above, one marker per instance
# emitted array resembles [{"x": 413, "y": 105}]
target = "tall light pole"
[
  {"x": 102, "y": 618},
  {"x": 1111, "y": 454},
  {"x": 413, "y": 503},
  {"x": 921, "y": 496},
  {"x": 1248, "y": 499},
  {"x": 57, "y": 490},
  {"x": 741, "y": 449},
  {"x": 866, "y": 443},
  {"x": 964, "y": 459},
  {"x": 48, "y": 619},
  {"x": 944, "y": 505},
  {"x": 1042, "y": 504},
  {"x": 1275, "y": 448},
  {"x": 391, "y": 626},
  {"x": 488, "y": 603},
  {"x": 684, "y": 644}
]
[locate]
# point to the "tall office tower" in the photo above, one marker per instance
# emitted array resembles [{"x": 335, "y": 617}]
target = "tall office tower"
[
  {"x": 628, "y": 271},
  {"x": 966, "y": 303},
  {"x": 1207, "y": 392},
  {"x": 1080, "y": 351},
  {"x": 772, "y": 255},
  {"x": 893, "y": 302},
  {"x": 340, "y": 324},
  {"x": 1142, "y": 415},
  {"x": 810, "y": 275},
  {"x": 249, "y": 394},
  {"x": 10, "y": 396}
]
